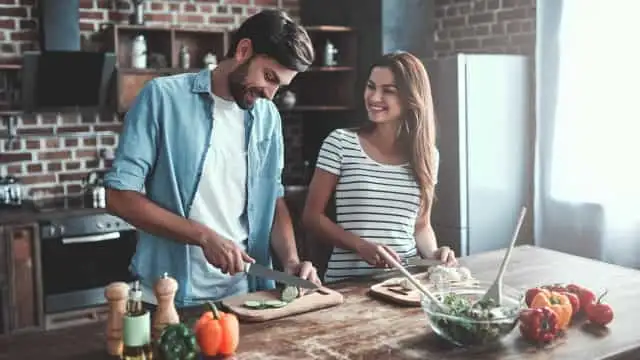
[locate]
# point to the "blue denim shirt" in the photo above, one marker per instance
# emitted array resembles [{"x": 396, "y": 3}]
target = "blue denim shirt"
[{"x": 161, "y": 151}]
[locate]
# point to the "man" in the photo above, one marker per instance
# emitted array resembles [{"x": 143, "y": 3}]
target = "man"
[{"x": 207, "y": 149}]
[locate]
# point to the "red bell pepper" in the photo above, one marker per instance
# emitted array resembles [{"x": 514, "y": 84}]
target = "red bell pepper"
[{"x": 539, "y": 325}]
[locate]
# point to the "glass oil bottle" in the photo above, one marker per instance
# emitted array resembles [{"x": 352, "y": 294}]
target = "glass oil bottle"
[{"x": 136, "y": 328}]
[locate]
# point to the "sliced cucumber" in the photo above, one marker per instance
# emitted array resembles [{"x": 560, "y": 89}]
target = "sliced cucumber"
[
  {"x": 289, "y": 294},
  {"x": 275, "y": 303},
  {"x": 254, "y": 304}
]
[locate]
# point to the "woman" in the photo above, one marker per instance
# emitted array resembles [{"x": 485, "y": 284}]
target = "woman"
[{"x": 383, "y": 174}]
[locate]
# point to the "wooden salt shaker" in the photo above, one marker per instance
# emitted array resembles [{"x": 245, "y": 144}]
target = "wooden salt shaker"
[
  {"x": 116, "y": 294},
  {"x": 166, "y": 313}
]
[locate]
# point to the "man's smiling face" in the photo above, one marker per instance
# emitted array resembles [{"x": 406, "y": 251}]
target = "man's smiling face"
[{"x": 256, "y": 76}]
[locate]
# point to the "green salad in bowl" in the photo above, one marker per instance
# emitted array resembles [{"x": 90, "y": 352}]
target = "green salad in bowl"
[{"x": 468, "y": 321}]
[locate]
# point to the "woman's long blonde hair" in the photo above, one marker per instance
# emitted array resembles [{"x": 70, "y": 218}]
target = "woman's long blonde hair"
[{"x": 417, "y": 130}]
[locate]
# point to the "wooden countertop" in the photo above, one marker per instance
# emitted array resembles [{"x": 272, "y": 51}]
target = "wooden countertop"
[{"x": 367, "y": 328}]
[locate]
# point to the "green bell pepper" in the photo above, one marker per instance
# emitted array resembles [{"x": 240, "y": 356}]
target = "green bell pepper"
[{"x": 178, "y": 342}]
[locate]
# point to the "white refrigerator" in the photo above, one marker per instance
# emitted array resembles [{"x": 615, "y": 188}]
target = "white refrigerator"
[{"x": 483, "y": 113}]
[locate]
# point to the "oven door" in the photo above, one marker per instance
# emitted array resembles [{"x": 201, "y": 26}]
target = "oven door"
[{"x": 76, "y": 269}]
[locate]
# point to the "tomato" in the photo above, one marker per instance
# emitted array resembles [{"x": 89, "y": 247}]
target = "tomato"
[{"x": 600, "y": 313}]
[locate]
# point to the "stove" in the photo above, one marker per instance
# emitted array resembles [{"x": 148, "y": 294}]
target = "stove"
[{"x": 81, "y": 253}]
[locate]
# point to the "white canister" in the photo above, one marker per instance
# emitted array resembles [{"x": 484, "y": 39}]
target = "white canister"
[
  {"x": 330, "y": 52},
  {"x": 210, "y": 61},
  {"x": 139, "y": 53}
]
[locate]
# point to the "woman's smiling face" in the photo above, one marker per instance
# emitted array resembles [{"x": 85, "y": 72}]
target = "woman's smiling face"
[{"x": 381, "y": 96}]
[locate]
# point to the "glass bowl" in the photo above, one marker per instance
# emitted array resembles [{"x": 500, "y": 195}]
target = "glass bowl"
[{"x": 467, "y": 326}]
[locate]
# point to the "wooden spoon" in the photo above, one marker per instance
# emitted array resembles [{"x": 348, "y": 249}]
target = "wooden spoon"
[
  {"x": 389, "y": 259},
  {"x": 495, "y": 291}
]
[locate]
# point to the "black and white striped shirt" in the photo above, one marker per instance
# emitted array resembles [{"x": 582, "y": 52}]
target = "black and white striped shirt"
[{"x": 377, "y": 202}]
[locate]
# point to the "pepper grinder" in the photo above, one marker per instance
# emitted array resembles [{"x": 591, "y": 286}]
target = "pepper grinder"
[
  {"x": 116, "y": 294},
  {"x": 165, "y": 290}
]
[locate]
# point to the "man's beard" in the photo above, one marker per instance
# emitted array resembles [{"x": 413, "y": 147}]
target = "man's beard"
[{"x": 243, "y": 96}]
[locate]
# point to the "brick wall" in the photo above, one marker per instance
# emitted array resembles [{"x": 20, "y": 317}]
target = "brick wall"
[
  {"x": 484, "y": 26},
  {"x": 55, "y": 167}
]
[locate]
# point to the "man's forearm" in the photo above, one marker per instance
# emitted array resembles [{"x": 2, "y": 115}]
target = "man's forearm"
[
  {"x": 282, "y": 235},
  {"x": 142, "y": 213}
]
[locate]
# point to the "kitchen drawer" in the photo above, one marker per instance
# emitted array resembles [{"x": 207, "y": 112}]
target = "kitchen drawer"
[
  {"x": 4, "y": 309},
  {"x": 21, "y": 295}
]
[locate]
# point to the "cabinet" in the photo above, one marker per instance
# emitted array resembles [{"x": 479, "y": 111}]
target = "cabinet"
[{"x": 20, "y": 279}]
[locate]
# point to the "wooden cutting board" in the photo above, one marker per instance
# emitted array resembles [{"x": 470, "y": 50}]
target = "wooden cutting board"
[
  {"x": 320, "y": 299},
  {"x": 388, "y": 290}
]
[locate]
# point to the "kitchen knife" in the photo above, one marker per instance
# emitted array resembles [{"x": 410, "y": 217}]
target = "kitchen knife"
[
  {"x": 421, "y": 262},
  {"x": 416, "y": 261},
  {"x": 264, "y": 272}
]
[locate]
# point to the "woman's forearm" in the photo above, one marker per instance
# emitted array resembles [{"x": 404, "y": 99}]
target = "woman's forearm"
[
  {"x": 329, "y": 232},
  {"x": 426, "y": 241},
  {"x": 283, "y": 237}
]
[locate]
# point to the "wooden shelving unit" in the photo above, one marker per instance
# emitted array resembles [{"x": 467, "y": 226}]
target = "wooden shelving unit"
[
  {"x": 163, "y": 43},
  {"x": 326, "y": 97}
]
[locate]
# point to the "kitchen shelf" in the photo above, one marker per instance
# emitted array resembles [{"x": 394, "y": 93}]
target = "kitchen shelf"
[
  {"x": 159, "y": 71},
  {"x": 10, "y": 67},
  {"x": 328, "y": 28},
  {"x": 9, "y": 112},
  {"x": 330, "y": 68},
  {"x": 319, "y": 108},
  {"x": 163, "y": 46}
]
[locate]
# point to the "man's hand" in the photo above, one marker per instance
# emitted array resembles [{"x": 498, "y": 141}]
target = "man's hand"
[
  {"x": 304, "y": 270},
  {"x": 224, "y": 254}
]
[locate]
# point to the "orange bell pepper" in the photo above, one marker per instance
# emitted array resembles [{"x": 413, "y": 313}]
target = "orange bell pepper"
[
  {"x": 217, "y": 332},
  {"x": 558, "y": 302}
]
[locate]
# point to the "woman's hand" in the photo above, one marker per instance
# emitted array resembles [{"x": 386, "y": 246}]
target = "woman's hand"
[
  {"x": 446, "y": 255},
  {"x": 370, "y": 252}
]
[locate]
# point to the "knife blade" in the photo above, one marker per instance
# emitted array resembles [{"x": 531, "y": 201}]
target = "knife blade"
[
  {"x": 264, "y": 272},
  {"x": 415, "y": 262},
  {"x": 421, "y": 262}
]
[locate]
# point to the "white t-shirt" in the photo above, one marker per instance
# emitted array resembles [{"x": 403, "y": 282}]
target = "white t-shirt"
[
  {"x": 220, "y": 199},
  {"x": 377, "y": 202}
]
